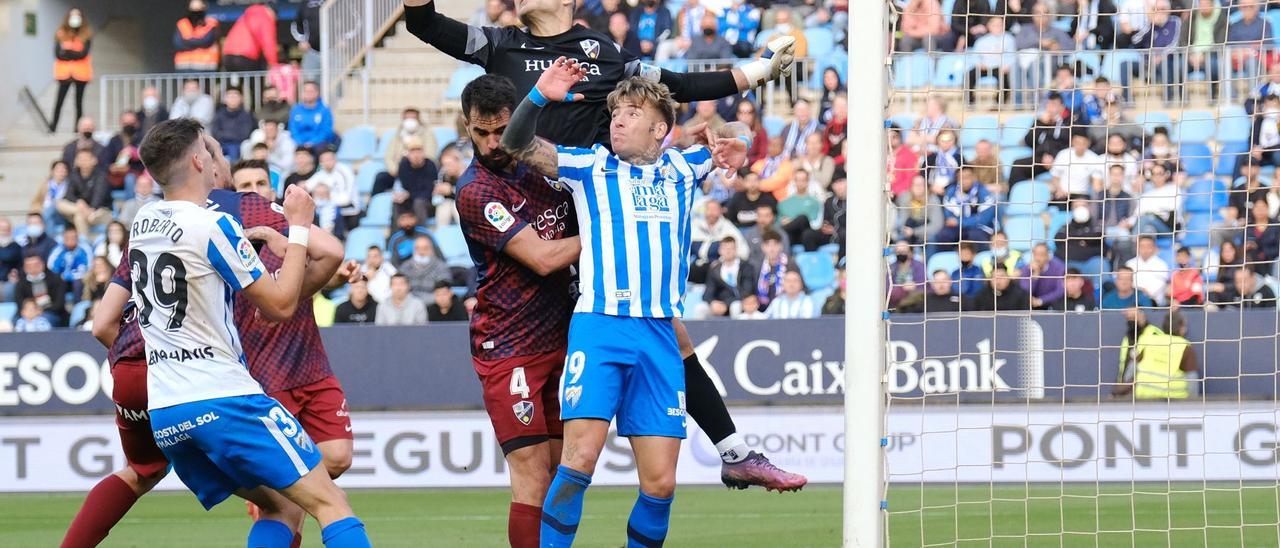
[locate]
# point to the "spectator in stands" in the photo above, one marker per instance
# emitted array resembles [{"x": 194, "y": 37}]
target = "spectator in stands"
[
  {"x": 1158, "y": 207},
  {"x": 1245, "y": 190},
  {"x": 44, "y": 287},
  {"x": 652, "y": 23},
  {"x": 31, "y": 319},
  {"x": 795, "y": 134},
  {"x": 97, "y": 279},
  {"x": 1205, "y": 30},
  {"x": 941, "y": 296},
  {"x": 195, "y": 40},
  {"x": 1094, "y": 26},
  {"x": 444, "y": 195},
  {"x": 10, "y": 259},
  {"x": 445, "y": 305},
  {"x": 969, "y": 277},
  {"x": 748, "y": 113},
  {"x": 766, "y": 221},
  {"x": 280, "y": 146},
  {"x": 1262, "y": 239},
  {"x": 401, "y": 243},
  {"x": 906, "y": 163},
  {"x": 689, "y": 18},
  {"x": 251, "y": 43},
  {"x": 906, "y": 274},
  {"x": 924, "y": 27},
  {"x": 490, "y": 14},
  {"x": 1000, "y": 293},
  {"x": 986, "y": 167},
  {"x": 1150, "y": 272},
  {"x": 730, "y": 278},
  {"x": 1043, "y": 280},
  {"x": 597, "y": 14},
  {"x": 969, "y": 212},
  {"x": 402, "y": 308},
  {"x": 920, "y": 214},
  {"x": 1159, "y": 149},
  {"x": 54, "y": 189},
  {"x": 1246, "y": 37},
  {"x": 193, "y": 103},
  {"x": 1267, "y": 89},
  {"x": 924, "y": 135},
  {"x": 143, "y": 194},
  {"x": 112, "y": 246},
  {"x": 1073, "y": 98},
  {"x": 707, "y": 231},
  {"x": 775, "y": 264},
  {"x": 121, "y": 157},
  {"x": 832, "y": 229},
  {"x": 1049, "y": 136},
  {"x": 424, "y": 268},
  {"x": 37, "y": 240},
  {"x": 1080, "y": 242},
  {"x": 1249, "y": 291},
  {"x": 969, "y": 18},
  {"x": 1100, "y": 95},
  {"x": 775, "y": 170},
  {"x": 304, "y": 166},
  {"x": 311, "y": 121},
  {"x": 359, "y": 308},
  {"x": 743, "y": 205},
  {"x": 1157, "y": 39},
  {"x": 88, "y": 199},
  {"x": 1219, "y": 268},
  {"x": 273, "y": 107},
  {"x": 327, "y": 216},
  {"x": 704, "y": 112},
  {"x": 1076, "y": 295},
  {"x": 1117, "y": 150},
  {"x": 342, "y": 187},
  {"x": 1117, "y": 214},
  {"x": 837, "y": 128},
  {"x": 84, "y": 140},
  {"x": 410, "y": 128},
  {"x": 1264, "y": 141},
  {"x": 820, "y": 167},
  {"x": 152, "y": 110},
  {"x": 793, "y": 302},
  {"x": 1186, "y": 285},
  {"x": 709, "y": 44},
  {"x": 1076, "y": 170},
  {"x": 750, "y": 309},
  {"x": 832, "y": 87},
  {"x": 993, "y": 52},
  {"x": 1046, "y": 42},
  {"x": 69, "y": 259},
  {"x": 232, "y": 124},
  {"x": 72, "y": 64},
  {"x": 942, "y": 166},
  {"x": 378, "y": 273},
  {"x": 417, "y": 176},
  {"x": 834, "y": 305},
  {"x": 1001, "y": 253}
]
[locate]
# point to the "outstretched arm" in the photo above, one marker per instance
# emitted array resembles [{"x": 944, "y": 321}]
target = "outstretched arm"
[
  {"x": 687, "y": 87},
  {"x": 519, "y": 138},
  {"x": 456, "y": 39}
]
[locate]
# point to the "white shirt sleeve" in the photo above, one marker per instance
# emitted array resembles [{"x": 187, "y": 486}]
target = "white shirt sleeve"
[{"x": 232, "y": 255}]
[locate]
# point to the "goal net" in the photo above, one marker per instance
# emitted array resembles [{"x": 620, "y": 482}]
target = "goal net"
[{"x": 1081, "y": 253}]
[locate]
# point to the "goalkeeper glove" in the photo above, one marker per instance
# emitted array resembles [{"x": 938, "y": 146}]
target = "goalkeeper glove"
[{"x": 776, "y": 62}]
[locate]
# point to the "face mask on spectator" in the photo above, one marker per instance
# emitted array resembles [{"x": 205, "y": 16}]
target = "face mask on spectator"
[
  {"x": 35, "y": 279},
  {"x": 421, "y": 259},
  {"x": 74, "y": 21},
  {"x": 129, "y": 130},
  {"x": 410, "y": 125},
  {"x": 708, "y": 32},
  {"x": 1000, "y": 252},
  {"x": 35, "y": 231},
  {"x": 965, "y": 263},
  {"x": 150, "y": 104},
  {"x": 783, "y": 28},
  {"x": 5, "y": 240},
  {"x": 86, "y": 134},
  {"x": 904, "y": 257},
  {"x": 1159, "y": 150},
  {"x": 191, "y": 95},
  {"x": 1080, "y": 214}
]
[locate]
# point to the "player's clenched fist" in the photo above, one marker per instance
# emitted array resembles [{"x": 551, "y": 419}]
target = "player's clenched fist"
[{"x": 299, "y": 208}]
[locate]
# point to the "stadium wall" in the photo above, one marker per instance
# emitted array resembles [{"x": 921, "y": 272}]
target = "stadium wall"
[{"x": 976, "y": 358}]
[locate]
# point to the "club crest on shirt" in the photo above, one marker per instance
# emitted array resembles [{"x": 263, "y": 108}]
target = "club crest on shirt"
[
  {"x": 166, "y": 212},
  {"x": 245, "y": 250},
  {"x": 572, "y": 394},
  {"x": 524, "y": 411},
  {"x": 277, "y": 208},
  {"x": 591, "y": 48},
  {"x": 498, "y": 216}
]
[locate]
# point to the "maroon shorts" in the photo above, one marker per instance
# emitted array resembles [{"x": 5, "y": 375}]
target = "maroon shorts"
[
  {"x": 321, "y": 407},
  {"x": 129, "y": 392},
  {"x": 521, "y": 395}
]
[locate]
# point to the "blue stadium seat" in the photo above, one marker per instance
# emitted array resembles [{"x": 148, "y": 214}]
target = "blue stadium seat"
[
  {"x": 79, "y": 311},
  {"x": 1152, "y": 120},
  {"x": 460, "y": 78},
  {"x": 904, "y": 121},
  {"x": 943, "y": 260},
  {"x": 384, "y": 142},
  {"x": 1028, "y": 198},
  {"x": 1195, "y": 126},
  {"x": 1228, "y": 154},
  {"x": 1090, "y": 60},
  {"x": 1057, "y": 220},
  {"x": 444, "y": 136},
  {"x": 816, "y": 269},
  {"x": 453, "y": 246},
  {"x": 773, "y": 125},
  {"x": 1197, "y": 231},
  {"x": 1024, "y": 231},
  {"x": 1196, "y": 159},
  {"x": 1273, "y": 21},
  {"x": 763, "y": 37},
  {"x": 1199, "y": 196},
  {"x": 378, "y": 211},
  {"x": 1234, "y": 125},
  {"x": 912, "y": 71},
  {"x": 830, "y": 249},
  {"x": 947, "y": 6},
  {"x": 1014, "y": 129},
  {"x": 821, "y": 41},
  {"x": 820, "y": 295},
  {"x": 693, "y": 294},
  {"x": 358, "y": 143},
  {"x": 366, "y": 174},
  {"x": 1009, "y": 155},
  {"x": 8, "y": 311},
  {"x": 951, "y": 71},
  {"x": 1113, "y": 61},
  {"x": 360, "y": 238},
  {"x": 1168, "y": 254},
  {"x": 979, "y": 127}
]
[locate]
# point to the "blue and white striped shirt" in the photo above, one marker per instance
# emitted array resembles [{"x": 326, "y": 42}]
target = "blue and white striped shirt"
[{"x": 634, "y": 223}]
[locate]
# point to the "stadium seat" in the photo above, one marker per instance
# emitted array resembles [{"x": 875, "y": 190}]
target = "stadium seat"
[
  {"x": 1113, "y": 61},
  {"x": 801, "y": 204},
  {"x": 384, "y": 142},
  {"x": 1014, "y": 129},
  {"x": 378, "y": 211},
  {"x": 1090, "y": 60},
  {"x": 1028, "y": 198},
  {"x": 444, "y": 136},
  {"x": 1273, "y": 20},
  {"x": 1228, "y": 153},
  {"x": 1197, "y": 231},
  {"x": 358, "y": 144},
  {"x": 1024, "y": 231},
  {"x": 1152, "y": 120},
  {"x": 763, "y": 37},
  {"x": 820, "y": 295},
  {"x": 773, "y": 125},
  {"x": 1198, "y": 197},
  {"x": 8, "y": 311},
  {"x": 816, "y": 269},
  {"x": 821, "y": 41},
  {"x": 1169, "y": 254},
  {"x": 459, "y": 80},
  {"x": 366, "y": 174},
  {"x": 951, "y": 71},
  {"x": 947, "y": 6},
  {"x": 1009, "y": 155},
  {"x": 693, "y": 294},
  {"x": 943, "y": 260},
  {"x": 912, "y": 71},
  {"x": 979, "y": 127},
  {"x": 904, "y": 121},
  {"x": 1057, "y": 220},
  {"x": 832, "y": 250},
  {"x": 1196, "y": 159},
  {"x": 453, "y": 246},
  {"x": 1234, "y": 125},
  {"x": 1195, "y": 126},
  {"x": 79, "y": 311},
  {"x": 360, "y": 238}
]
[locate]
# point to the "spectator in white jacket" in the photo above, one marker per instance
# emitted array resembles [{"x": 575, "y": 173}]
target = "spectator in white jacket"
[
  {"x": 341, "y": 181},
  {"x": 280, "y": 146},
  {"x": 793, "y": 303},
  {"x": 193, "y": 103}
]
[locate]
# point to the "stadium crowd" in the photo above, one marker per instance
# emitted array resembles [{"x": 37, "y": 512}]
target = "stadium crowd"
[
  {"x": 1085, "y": 204},
  {"x": 768, "y": 241}
]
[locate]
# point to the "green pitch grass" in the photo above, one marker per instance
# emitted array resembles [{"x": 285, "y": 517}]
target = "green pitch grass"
[{"x": 972, "y": 515}]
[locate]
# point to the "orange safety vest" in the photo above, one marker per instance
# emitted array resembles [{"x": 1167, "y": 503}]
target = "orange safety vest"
[
  {"x": 80, "y": 70},
  {"x": 204, "y": 59}
]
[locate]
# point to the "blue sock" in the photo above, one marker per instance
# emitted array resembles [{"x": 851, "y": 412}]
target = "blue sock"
[
  {"x": 268, "y": 533},
  {"x": 345, "y": 533},
  {"x": 650, "y": 518},
  {"x": 562, "y": 510}
]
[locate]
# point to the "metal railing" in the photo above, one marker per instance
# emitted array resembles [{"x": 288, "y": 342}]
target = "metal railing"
[
  {"x": 348, "y": 32},
  {"x": 123, "y": 92}
]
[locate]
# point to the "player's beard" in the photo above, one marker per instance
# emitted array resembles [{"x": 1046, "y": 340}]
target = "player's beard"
[{"x": 497, "y": 161}]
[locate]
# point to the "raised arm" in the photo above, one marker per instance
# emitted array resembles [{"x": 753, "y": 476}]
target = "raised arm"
[
  {"x": 324, "y": 254},
  {"x": 456, "y": 39},
  {"x": 519, "y": 138},
  {"x": 277, "y": 298},
  {"x": 688, "y": 87}
]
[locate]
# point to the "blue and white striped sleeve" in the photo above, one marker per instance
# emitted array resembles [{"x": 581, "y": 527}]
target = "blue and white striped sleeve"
[
  {"x": 699, "y": 158},
  {"x": 232, "y": 255},
  {"x": 576, "y": 165}
]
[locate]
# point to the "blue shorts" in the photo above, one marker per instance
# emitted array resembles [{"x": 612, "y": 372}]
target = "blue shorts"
[
  {"x": 628, "y": 367},
  {"x": 218, "y": 446}
]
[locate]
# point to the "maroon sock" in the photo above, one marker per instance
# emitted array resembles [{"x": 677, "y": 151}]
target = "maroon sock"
[
  {"x": 106, "y": 504},
  {"x": 523, "y": 524},
  {"x": 297, "y": 540}
]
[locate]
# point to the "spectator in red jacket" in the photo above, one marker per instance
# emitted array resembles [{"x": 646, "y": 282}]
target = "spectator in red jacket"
[{"x": 251, "y": 44}]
